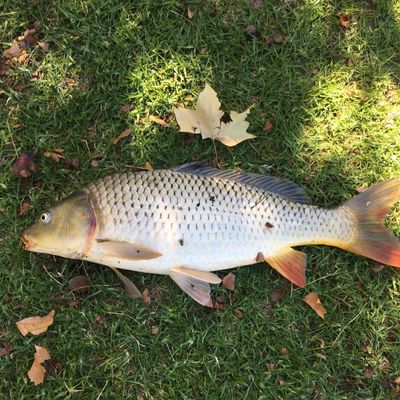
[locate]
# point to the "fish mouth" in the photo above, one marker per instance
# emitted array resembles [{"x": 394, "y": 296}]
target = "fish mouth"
[{"x": 27, "y": 243}]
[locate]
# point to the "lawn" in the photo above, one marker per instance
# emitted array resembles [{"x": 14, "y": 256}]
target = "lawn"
[{"x": 332, "y": 95}]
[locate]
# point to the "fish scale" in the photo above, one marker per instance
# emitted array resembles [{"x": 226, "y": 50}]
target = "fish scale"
[{"x": 204, "y": 222}]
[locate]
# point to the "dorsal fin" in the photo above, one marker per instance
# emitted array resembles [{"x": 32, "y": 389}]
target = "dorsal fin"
[{"x": 282, "y": 187}]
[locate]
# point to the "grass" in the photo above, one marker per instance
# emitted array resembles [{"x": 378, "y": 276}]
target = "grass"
[{"x": 333, "y": 98}]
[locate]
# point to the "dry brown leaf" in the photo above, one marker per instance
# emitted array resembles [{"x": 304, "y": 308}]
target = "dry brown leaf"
[
  {"x": 129, "y": 286},
  {"x": 122, "y": 135},
  {"x": 13, "y": 51},
  {"x": 284, "y": 351},
  {"x": 267, "y": 126},
  {"x": 148, "y": 166},
  {"x": 146, "y": 296},
  {"x": 59, "y": 150},
  {"x": 277, "y": 294},
  {"x": 6, "y": 349},
  {"x": 314, "y": 302},
  {"x": 154, "y": 330},
  {"x": 35, "y": 325},
  {"x": 369, "y": 372},
  {"x": 190, "y": 13},
  {"x": 24, "y": 166},
  {"x": 53, "y": 155},
  {"x": 37, "y": 371},
  {"x": 79, "y": 284},
  {"x": 229, "y": 281},
  {"x": 397, "y": 381},
  {"x": 72, "y": 163},
  {"x": 44, "y": 46},
  {"x": 238, "y": 313},
  {"x": 251, "y": 31},
  {"x": 159, "y": 121},
  {"x": 23, "y": 56},
  {"x": 28, "y": 39},
  {"x": 206, "y": 120},
  {"x": 270, "y": 367},
  {"x": 344, "y": 20},
  {"x": 126, "y": 108},
  {"x": 24, "y": 207}
]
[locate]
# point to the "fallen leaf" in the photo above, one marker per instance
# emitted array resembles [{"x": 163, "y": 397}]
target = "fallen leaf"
[
  {"x": 44, "y": 46},
  {"x": 189, "y": 13},
  {"x": 6, "y": 349},
  {"x": 397, "y": 381},
  {"x": 267, "y": 126},
  {"x": 238, "y": 313},
  {"x": 72, "y": 163},
  {"x": 278, "y": 37},
  {"x": 53, "y": 155},
  {"x": 23, "y": 56},
  {"x": 284, "y": 351},
  {"x": 100, "y": 321},
  {"x": 270, "y": 367},
  {"x": 344, "y": 20},
  {"x": 256, "y": 3},
  {"x": 155, "y": 330},
  {"x": 148, "y": 166},
  {"x": 251, "y": 31},
  {"x": 206, "y": 120},
  {"x": 146, "y": 296},
  {"x": 79, "y": 284},
  {"x": 369, "y": 372},
  {"x": 58, "y": 150},
  {"x": 314, "y": 302},
  {"x": 24, "y": 166},
  {"x": 122, "y": 135},
  {"x": 126, "y": 108},
  {"x": 159, "y": 121},
  {"x": 229, "y": 282},
  {"x": 35, "y": 325},
  {"x": 74, "y": 303},
  {"x": 281, "y": 381},
  {"x": 37, "y": 371},
  {"x": 24, "y": 207},
  {"x": 13, "y": 51},
  {"x": 277, "y": 294},
  {"x": 28, "y": 39},
  {"x": 321, "y": 356},
  {"x": 94, "y": 163}
]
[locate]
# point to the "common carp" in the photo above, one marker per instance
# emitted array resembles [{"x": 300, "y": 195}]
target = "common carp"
[{"x": 190, "y": 220}]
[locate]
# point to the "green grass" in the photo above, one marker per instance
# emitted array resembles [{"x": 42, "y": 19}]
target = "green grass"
[{"x": 333, "y": 98}]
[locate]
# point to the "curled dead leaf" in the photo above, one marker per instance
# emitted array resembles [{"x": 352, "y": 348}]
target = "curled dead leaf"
[
  {"x": 159, "y": 121},
  {"x": 53, "y": 155},
  {"x": 267, "y": 126},
  {"x": 6, "y": 349},
  {"x": 189, "y": 13},
  {"x": 28, "y": 39},
  {"x": 277, "y": 294},
  {"x": 344, "y": 20},
  {"x": 37, "y": 371},
  {"x": 122, "y": 135},
  {"x": 228, "y": 282},
  {"x": 13, "y": 51},
  {"x": 24, "y": 166},
  {"x": 44, "y": 46},
  {"x": 314, "y": 302},
  {"x": 24, "y": 207},
  {"x": 238, "y": 313},
  {"x": 146, "y": 296},
  {"x": 36, "y": 325}
]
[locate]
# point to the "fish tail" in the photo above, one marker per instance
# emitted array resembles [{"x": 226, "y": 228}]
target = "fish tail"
[{"x": 371, "y": 238}]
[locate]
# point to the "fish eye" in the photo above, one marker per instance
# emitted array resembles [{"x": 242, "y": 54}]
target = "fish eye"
[{"x": 45, "y": 217}]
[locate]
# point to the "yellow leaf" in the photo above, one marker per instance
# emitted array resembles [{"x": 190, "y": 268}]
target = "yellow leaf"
[
  {"x": 234, "y": 132},
  {"x": 37, "y": 371},
  {"x": 206, "y": 120},
  {"x": 314, "y": 302},
  {"x": 35, "y": 325}
]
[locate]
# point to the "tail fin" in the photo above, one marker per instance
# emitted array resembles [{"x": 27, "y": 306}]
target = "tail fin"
[{"x": 371, "y": 238}]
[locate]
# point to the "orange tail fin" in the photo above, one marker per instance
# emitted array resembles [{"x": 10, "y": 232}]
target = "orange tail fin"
[{"x": 371, "y": 238}]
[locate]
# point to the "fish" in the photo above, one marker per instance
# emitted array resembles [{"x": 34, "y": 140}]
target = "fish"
[{"x": 192, "y": 220}]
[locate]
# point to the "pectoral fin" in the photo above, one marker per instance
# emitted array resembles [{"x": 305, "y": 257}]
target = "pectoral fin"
[
  {"x": 126, "y": 250},
  {"x": 197, "y": 289},
  {"x": 130, "y": 287},
  {"x": 291, "y": 264},
  {"x": 204, "y": 276}
]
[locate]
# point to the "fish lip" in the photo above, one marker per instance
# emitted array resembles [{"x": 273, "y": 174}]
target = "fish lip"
[{"x": 27, "y": 243}]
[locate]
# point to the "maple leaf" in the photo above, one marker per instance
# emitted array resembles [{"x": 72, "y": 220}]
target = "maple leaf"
[
  {"x": 206, "y": 120},
  {"x": 37, "y": 371},
  {"x": 314, "y": 302},
  {"x": 35, "y": 325}
]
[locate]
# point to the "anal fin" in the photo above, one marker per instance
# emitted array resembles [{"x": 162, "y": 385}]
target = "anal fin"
[
  {"x": 126, "y": 250},
  {"x": 291, "y": 264},
  {"x": 198, "y": 290}
]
